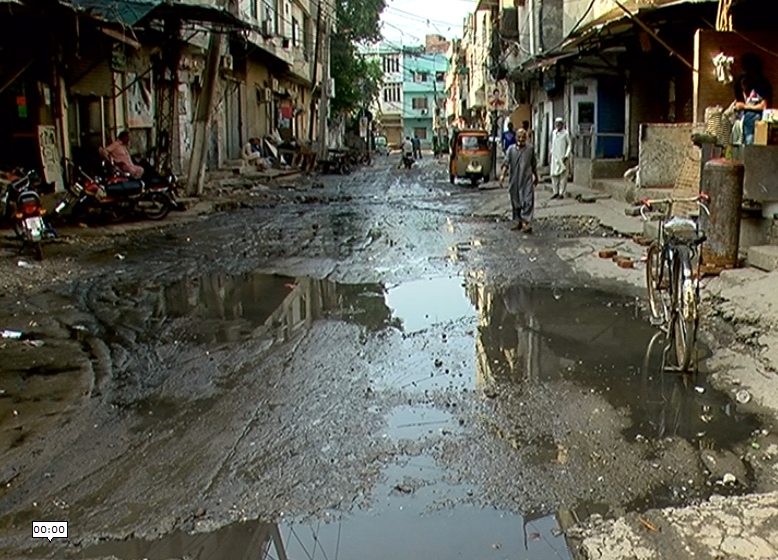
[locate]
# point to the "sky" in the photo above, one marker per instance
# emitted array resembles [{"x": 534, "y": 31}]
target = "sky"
[{"x": 408, "y": 21}]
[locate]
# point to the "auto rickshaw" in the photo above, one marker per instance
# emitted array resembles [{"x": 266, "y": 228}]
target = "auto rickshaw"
[{"x": 471, "y": 156}]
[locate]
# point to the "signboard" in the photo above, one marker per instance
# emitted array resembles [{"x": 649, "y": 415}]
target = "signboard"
[
  {"x": 363, "y": 126},
  {"x": 50, "y": 160},
  {"x": 496, "y": 100}
]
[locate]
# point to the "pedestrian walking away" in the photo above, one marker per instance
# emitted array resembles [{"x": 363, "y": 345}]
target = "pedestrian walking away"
[
  {"x": 416, "y": 147},
  {"x": 407, "y": 151},
  {"x": 522, "y": 169},
  {"x": 508, "y": 138},
  {"x": 561, "y": 146},
  {"x": 435, "y": 147}
]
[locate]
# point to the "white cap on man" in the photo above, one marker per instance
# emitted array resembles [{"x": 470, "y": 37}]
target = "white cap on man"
[{"x": 559, "y": 119}]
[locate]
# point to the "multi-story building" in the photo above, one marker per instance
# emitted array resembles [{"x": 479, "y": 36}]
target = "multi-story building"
[
  {"x": 388, "y": 108},
  {"x": 477, "y": 37},
  {"x": 278, "y": 58},
  {"x": 456, "y": 109},
  {"x": 424, "y": 82}
]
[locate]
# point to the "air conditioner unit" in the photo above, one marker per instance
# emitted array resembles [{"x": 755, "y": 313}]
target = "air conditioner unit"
[
  {"x": 267, "y": 28},
  {"x": 227, "y": 62}
]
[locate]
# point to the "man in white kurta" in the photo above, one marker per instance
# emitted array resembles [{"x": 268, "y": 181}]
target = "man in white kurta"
[{"x": 561, "y": 147}]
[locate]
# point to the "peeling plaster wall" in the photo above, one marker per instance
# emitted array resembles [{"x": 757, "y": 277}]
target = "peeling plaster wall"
[{"x": 663, "y": 149}]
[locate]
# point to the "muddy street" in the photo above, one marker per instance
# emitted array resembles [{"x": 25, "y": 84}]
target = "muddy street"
[{"x": 369, "y": 367}]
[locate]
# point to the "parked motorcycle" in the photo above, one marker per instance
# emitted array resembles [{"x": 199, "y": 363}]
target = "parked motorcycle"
[
  {"x": 30, "y": 225},
  {"x": 116, "y": 196},
  {"x": 407, "y": 161}
]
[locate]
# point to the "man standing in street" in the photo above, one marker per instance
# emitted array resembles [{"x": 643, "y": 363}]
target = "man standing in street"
[
  {"x": 522, "y": 168},
  {"x": 416, "y": 147},
  {"x": 561, "y": 146}
]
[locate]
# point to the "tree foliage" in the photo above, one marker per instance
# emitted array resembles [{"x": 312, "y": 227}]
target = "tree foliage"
[{"x": 357, "y": 80}]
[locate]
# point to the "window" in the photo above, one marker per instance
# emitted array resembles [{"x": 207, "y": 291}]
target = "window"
[
  {"x": 420, "y": 76},
  {"x": 306, "y": 36},
  {"x": 254, "y": 8},
  {"x": 474, "y": 142},
  {"x": 269, "y": 14},
  {"x": 391, "y": 63},
  {"x": 392, "y": 93},
  {"x": 419, "y": 102},
  {"x": 295, "y": 32},
  {"x": 440, "y": 76},
  {"x": 421, "y": 133}
]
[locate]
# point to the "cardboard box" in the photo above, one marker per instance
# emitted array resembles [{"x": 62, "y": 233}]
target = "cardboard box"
[
  {"x": 765, "y": 134},
  {"x": 761, "y": 133}
]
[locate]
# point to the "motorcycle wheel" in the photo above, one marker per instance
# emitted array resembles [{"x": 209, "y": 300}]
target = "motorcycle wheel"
[
  {"x": 474, "y": 181},
  {"x": 38, "y": 249},
  {"x": 158, "y": 206},
  {"x": 118, "y": 212}
]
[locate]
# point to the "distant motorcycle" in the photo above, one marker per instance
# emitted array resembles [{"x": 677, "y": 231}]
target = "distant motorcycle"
[{"x": 407, "y": 161}]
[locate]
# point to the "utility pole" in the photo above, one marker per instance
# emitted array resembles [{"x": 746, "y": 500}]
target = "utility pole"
[
  {"x": 315, "y": 68},
  {"x": 324, "y": 102},
  {"x": 202, "y": 121}
]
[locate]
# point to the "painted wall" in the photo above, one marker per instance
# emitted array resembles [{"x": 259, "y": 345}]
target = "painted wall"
[{"x": 417, "y": 63}]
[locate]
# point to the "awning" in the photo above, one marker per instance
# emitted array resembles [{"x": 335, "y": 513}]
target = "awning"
[
  {"x": 131, "y": 12},
  {"x": 126, "y": 12},
  {"x": 486, "y": 4},
  {"x": 589, "y": 37}
]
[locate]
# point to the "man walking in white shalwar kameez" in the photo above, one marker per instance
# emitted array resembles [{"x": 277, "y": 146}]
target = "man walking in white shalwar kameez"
[{"x": 561, "y": 146}]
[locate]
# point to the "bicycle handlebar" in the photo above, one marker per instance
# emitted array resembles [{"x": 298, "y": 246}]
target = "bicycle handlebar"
[{"x": 700, "y": 200}]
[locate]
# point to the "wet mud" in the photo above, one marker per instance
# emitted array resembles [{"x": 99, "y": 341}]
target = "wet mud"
[{"x": 382, "y": 376}]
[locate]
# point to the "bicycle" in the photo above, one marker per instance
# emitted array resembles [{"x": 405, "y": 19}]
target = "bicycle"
[{"x": 672, "y": 276}]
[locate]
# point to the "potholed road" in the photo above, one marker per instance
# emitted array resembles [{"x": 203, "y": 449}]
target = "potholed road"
[{"x": 372, "y": 369}]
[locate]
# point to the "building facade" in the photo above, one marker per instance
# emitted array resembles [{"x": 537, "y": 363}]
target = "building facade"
[
  {"x": 424, "y": 83},
  {"x": 388, "y": 108}
]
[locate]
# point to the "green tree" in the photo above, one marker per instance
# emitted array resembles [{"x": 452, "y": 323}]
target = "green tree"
[{"x": 357, "y": 80}]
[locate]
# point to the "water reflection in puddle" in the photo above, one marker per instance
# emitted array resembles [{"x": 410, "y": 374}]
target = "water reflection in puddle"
[
  {"x": 228, "y": 308},
  {"x": 531, "y": 336},
  {"x": 423, "y": 303},
  {"x": 470, "y": 532},
  {"x": 524, "y": 336},
  {"x": 411, "y": 517}
]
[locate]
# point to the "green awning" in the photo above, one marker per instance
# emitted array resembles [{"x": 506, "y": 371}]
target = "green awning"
[
  {"x": 126, "y": 12},
  {"x": 131, "y": 12}
]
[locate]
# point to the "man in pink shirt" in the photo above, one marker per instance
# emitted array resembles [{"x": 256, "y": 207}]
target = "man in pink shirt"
[{"x": 120, "y": 155}]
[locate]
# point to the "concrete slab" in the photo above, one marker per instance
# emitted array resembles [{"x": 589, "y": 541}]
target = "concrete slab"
[
  {"x": 764, "y": 257},
  {"x": 738, "y": 528}
]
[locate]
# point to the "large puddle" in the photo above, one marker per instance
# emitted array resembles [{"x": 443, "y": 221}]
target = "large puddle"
[
  {"x": 516, "y": 337},
  {"x": 411, "y": 517}
]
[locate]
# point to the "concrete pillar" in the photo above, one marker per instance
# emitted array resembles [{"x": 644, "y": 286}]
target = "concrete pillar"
[{"x": 722, "y": 181}]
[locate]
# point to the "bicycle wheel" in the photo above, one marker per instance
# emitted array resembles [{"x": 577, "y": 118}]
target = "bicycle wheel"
[
  {"x": 656, "y": 285},
  {"x": 684, "y": 309}
]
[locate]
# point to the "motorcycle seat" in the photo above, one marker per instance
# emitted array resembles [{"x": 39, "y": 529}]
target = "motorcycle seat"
[{"x": 124, "y": 188}]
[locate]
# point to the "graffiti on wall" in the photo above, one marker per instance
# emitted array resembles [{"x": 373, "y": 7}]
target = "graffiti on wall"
[
  {"x": 50, "y": 160},
  {"x": 140, "y": 101}
]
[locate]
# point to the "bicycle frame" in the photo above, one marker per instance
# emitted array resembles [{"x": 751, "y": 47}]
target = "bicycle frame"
[{"x": 672, "y": 281}]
